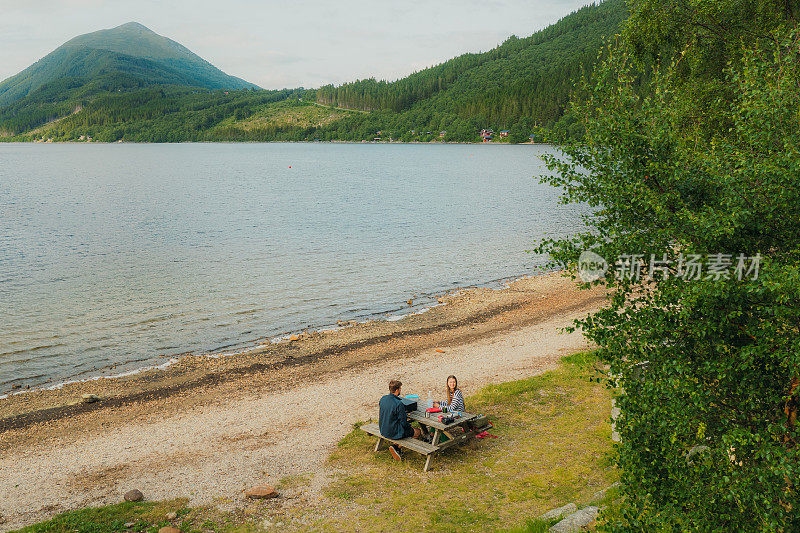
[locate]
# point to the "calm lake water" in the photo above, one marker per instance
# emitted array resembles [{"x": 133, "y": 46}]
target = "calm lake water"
[{"x": 124, "y": 254}]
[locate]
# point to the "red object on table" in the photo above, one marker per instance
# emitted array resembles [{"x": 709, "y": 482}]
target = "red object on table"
[{"x": 433, "y": 410}]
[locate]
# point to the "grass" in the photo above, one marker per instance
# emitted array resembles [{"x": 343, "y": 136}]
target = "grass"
[
  {"x": 553, "y": 448},
  {"x": 146, "y": 516},
  {"x": 286, "y": 114}
]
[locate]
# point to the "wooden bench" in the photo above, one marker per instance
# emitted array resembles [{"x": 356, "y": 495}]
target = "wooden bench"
[{"x": 422, "y": 447}]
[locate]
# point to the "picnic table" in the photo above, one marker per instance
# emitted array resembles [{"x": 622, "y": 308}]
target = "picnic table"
[{"x": 459, "y": 431}]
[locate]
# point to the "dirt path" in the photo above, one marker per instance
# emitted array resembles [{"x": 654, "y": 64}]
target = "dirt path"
[{"x": 211, "y": 444}]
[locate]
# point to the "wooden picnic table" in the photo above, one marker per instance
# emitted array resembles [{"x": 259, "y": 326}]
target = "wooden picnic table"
[{"x": 456, "y": 433}]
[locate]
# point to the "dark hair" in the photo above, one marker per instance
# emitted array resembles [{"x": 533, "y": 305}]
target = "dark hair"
[
  {"x": 394, "y": 386},
  {"x": 450, "y": 392}
]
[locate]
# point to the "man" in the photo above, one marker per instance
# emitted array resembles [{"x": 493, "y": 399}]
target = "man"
[{"x": 393, "y": 420}]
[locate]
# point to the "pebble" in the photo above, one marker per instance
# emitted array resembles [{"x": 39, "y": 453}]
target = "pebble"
[
  {"x": 169, "y": 529},
  {"x": 134, "y": 495},
  {"x": 172, "y": 516},
  {"x": 261, "y": 492},
  {"x": 130, "y": 524},
  {"x": 90, "y": 398}
]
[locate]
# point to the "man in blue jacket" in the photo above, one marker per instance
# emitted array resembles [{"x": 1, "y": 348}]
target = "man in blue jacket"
[{"x": 393, "y": 420}]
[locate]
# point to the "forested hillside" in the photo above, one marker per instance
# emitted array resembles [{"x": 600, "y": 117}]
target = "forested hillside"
[
  {"x": 158, "y": 91},
  {"x": 524, "y": 82}
]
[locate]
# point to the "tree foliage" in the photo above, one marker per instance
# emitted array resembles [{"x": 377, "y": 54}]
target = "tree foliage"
[
  {"x": 692, "y": 136},
  {"x": 523, "y": 81}
]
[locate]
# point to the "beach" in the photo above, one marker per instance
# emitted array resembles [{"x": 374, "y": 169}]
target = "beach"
[{"x": 208, "y": 428}]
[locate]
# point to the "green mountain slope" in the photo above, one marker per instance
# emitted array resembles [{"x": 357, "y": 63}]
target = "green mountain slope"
[
  {"x": 138, "y": 55},
  {"x": 528, "y": 78},
  {"x": 522, "y": 86}
]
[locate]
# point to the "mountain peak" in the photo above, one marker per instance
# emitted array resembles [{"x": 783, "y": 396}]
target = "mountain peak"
[
  {"x": 133, "y": 25},
  {"x": 129, "y": 51}
]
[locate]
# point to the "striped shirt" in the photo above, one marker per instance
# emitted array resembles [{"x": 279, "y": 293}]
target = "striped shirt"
[{"x": 457, "y": 404}]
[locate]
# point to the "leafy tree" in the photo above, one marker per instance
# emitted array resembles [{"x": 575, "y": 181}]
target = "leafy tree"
[{"x": 691, "y": 151}]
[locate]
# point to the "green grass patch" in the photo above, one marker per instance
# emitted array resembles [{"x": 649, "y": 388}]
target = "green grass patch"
[
  {"x": 553, "y": 447},
  {"x": 146, "y": 516}
]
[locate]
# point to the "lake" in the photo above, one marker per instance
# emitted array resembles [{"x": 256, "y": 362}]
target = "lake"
[{"x": 121, "y": 254}]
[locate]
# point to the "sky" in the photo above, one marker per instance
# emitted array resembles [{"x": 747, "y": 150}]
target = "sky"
[{"x": 288, "y": 43}]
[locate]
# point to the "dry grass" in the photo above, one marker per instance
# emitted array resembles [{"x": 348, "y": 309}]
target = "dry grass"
[{"x": 278, "y": 115}]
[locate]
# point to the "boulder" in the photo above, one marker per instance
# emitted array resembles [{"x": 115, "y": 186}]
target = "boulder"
[
  {"x": 261, "y": 492},
  {"x": 134, "y": 495},
  {"x": 561, "y": 512},
  {"x": 576, "y": 521},
  {"x": 294, "y": 337}
]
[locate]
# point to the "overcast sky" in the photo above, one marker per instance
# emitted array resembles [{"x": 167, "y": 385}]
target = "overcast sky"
[{"x": 287, "y": 43}]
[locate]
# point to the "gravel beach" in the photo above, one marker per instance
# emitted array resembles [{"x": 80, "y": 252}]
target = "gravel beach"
[{"x": 209, "y": 428}]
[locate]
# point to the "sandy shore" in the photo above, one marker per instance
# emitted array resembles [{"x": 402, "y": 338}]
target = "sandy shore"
[{"x": 207, "y": 429}]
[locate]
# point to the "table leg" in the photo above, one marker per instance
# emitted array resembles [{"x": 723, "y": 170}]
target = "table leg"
[
  {"x": 427, "y": 463},
  {"x": 437, "y": 435},
  {"x": 378, "y": 444}
]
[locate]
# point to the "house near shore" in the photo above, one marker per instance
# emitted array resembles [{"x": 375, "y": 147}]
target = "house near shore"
[
  {"x": 442, "y": 134},
  {"x": 504, "y": 134},
  {"x": 486, "y": 135}
]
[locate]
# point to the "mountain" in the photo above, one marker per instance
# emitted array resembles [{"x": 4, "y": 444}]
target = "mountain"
[
  {"x": 130, "y": 55},
  {"x": 523, "y": 86},
  {"x": 523, "y": 80}
]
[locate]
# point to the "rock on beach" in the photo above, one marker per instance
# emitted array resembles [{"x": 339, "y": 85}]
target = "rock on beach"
[
  {"x": 134, "y": 495},
  {"x": 261, "y": 492}
]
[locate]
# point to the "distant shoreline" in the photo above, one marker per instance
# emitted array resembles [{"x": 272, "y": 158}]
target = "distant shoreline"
[{"x": 282, "y": 142}]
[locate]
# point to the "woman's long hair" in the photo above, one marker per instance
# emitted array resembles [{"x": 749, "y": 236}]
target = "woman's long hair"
[{"x": 450, "y": 392}]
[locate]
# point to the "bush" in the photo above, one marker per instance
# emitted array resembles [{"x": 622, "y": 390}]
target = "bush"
[{"x": 682, "y": 158}]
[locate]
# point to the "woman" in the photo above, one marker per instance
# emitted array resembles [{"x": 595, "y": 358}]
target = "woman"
[{"x": 455, "y": 400}]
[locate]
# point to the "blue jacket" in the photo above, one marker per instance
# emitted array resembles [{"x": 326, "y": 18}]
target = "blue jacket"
[{"x": 392, "y": 418}]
